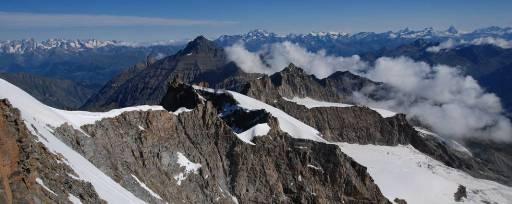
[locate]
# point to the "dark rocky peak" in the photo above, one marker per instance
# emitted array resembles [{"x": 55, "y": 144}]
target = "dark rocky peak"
[
  {"x": 348, "y": 75},
  {"x": 452, "y": 30},
  {"x": 180, "y": 95},
  {"x": 292, "y": 69},
  {"x": 345, "y": 83},
  {"x": 200, "y": 45},
  {"x": 292, "y": 73}
]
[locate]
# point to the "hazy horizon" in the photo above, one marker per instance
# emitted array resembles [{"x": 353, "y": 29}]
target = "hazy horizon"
[{"x": 165, "y": 20}]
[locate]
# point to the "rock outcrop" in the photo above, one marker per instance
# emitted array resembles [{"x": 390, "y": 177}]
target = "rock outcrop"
[
  {"x": 360, "y": 125},
  {"x": 294, "y": 82},
  {"x": 152, "y": 145},
  {"x": 29, "y": 173}
]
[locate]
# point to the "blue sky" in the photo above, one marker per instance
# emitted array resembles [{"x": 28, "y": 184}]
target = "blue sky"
[{"x": 137, "y": 20}]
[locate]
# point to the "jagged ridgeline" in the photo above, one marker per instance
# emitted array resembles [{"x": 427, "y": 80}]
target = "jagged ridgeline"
[{"x": 194, "y": 128}]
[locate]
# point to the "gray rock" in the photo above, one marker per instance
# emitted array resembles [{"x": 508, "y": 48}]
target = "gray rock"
[
  {"x": 23, "y": 160},
  {"x": 277, "y": 169}
]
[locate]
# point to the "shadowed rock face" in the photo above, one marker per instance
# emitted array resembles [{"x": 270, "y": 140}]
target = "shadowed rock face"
[
  {"x": 294, "y": 82},
  {"x": 291, "y": 81},
  {"x": 200, "y": 61},
  {"x": 23, "y": 160},
  {"x": 57, "y": 93},
  {"x": 277, "y": 169}
]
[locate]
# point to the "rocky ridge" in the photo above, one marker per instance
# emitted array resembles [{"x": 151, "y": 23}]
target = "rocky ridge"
[
  {"x": 29, "y": 172},
  {"x": 277, "y": 168}
]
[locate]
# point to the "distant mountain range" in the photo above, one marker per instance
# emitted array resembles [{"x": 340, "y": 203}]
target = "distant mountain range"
[
  {"x": 257, "y": 38},
  {"x": 31, "y": 45},
  {"x": 343, "y": 44}
]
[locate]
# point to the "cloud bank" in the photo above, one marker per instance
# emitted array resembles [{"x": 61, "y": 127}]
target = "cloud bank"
[
  {"x": 275, "y": 57},
  {"x": 440, "y": 97},
  {"x": 450, "y": 43},
  {"x": 25, "y": 20}
]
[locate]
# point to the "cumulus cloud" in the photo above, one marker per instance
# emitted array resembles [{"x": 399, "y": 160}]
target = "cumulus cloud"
[
  {"x": 440, "y": 97},
  {"x": 451, "y": 43},
  {"x": 275, "y": 57},
  {"x": 24, "y": 20},
  {"x": 505, "y": 44}
]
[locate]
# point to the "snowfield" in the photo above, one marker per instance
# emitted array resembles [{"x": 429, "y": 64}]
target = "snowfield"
[
  {"x": 312, "y": 103},
  {"x": 404, "y": 172}
]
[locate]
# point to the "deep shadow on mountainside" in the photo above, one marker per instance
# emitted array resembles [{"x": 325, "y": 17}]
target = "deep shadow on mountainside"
[{"x": 57, "y": 93}]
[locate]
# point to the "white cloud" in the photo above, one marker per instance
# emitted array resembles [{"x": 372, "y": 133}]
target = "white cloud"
[
  {"x": 24, "y": 20},
  {"x": 440, "y": 97},
  {"x": 450, "y": 43},
  {"x": 275, "y": 57},
  {"x": 505, "y": 44}
]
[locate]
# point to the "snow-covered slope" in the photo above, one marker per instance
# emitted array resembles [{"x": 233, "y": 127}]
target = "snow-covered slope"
[
  {"x": 39, "y": 117},
  {"x": 312, "y": 103},
  {"x": 404, "y": 172}
]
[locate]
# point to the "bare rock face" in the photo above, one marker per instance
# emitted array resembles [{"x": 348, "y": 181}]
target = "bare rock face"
[
  {"x": 460, "y": 194},
  {"x": 497, "y": 156},
  {"x": 152, "y": 145},
  {"x": 344, "y": 84},
  {"x": 291, "y": 81},
  {"x": 26, "y": 163},
  {"x": 294, "y": 82},
  {"x": 354, "y": 124}
]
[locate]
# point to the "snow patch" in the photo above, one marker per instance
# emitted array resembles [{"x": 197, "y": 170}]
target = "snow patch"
[
  {"x": 312, "y": 103},
  {"x": 40, "y": 182},
  {"x": 255, "y": 131},
  {"x": 74, "y": 199},
  {"x": 143, "y": 185},
  {"x": 190, "y": 167},
  {"x": 181, "y": 110},
  {"x": 314, "y": 167}
]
